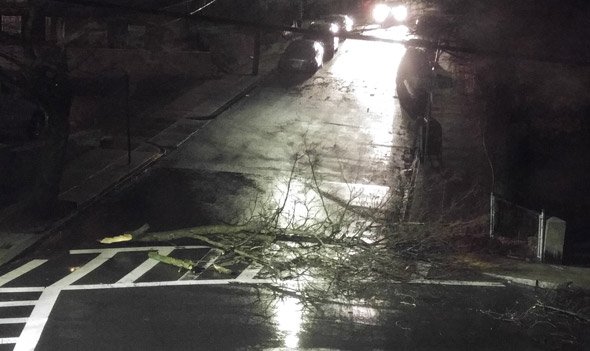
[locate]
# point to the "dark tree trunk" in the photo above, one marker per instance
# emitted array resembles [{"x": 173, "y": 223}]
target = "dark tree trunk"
[
  {"x": 52, "y": 89},
  {"x": 49, "y": 86}
]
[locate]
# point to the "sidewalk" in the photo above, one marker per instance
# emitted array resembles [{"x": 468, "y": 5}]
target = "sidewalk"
[
  {"x": 531, "y": 274},
  {"x": 100, "y": 170},
  {"x": 459, "y": 188}
]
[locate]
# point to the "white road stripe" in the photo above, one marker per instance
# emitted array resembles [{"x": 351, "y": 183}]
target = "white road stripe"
[
  {"x": 250, "y": 272},
  {"x": 22, "y": 289},
  {"x": 36, "y": 323},
  {"x": 5, "y": 341},
  {"x": 210, "y": 257},
  {"x": 31, "y": 333},
  {"x": 135, "y": 249},
  {"x": 457, "y": 283},
  {"x": 13, "y": 320},
  {"x": 29, "y": 266},
  {"x": 17, "y": 303},
  {"x": 168, "y": 283},
  {"x": 85, "y": 269},
  {"x": 144, "y": 267}
]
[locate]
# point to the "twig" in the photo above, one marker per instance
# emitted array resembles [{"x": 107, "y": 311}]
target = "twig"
[
  {"x": 569, "y": 313},
  {"x": 317, "y": 186},
  {"x": 291, "y": 176},
  {"x": 228, "y": 248}
]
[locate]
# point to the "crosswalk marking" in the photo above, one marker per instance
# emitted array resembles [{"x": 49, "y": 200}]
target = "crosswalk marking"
[
  {"x": 250, "y": 272},
  {"x": 168, "y": 283},
  {"x": 5, "y": 341},
  {"x": 17, "y": 303},
  {"x": 13, "y": 320},
  {"x": 458, "y": 283},
  {"x": 35, "y": 323},
  {"x": 144, "y": 267},
  {"x": 23, "y": 289},
  {"x": 135, "y": 249},
  {"x": 209, "y": 259},
  {"x": 31, "y": 333},
  {"x": 29, "y": 266},
  {"x": 85, "y": 269}
]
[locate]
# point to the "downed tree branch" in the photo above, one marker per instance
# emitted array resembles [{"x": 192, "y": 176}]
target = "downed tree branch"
[
  {"x": 225, "y": 229},
  {"x": 560, "y": 310},
  {"x": 134, "y": 235},
  {"x": 186, "y": 264},
  {"x": 221, "y": 269},
  {"x": 227, "y": 248},
  {"x": 217, "y": 229}
]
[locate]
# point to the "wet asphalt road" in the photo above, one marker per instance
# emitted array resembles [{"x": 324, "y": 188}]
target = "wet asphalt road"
[
  {"x": 108, "y": 299},
  {"x": 226, "y": 314}
]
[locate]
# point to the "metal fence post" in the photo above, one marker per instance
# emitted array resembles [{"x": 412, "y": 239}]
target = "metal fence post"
[
  {"x": 541, "y": 236},
  {"x": 492, "y": 215}
]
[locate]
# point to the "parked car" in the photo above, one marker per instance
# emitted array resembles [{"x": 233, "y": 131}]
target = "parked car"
[
  {"x": 413, "y": 82},
  {"x": 432, "y": 27},
  {"x": 304, "y": 55},
  {"x": 344, "y": 22},
  {"x": 326, "y": 32}
]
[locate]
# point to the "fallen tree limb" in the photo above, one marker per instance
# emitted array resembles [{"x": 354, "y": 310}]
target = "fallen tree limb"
[
  {"x": 225, "y": 229},
  {"x": 134, "y": 235},
  {"x": 186, "y": 264},
  {"x": 227, "y": 248},
  {"x": 569, "y": 313},
  {"x": 217, "y": 229}
]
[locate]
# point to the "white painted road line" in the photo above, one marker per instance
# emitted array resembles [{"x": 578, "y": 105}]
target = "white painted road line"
[
  {"x": 85, "y": 269},
  {"x": 17, "y": 303},
  {"x": 209, "y": 259},
  {"x": 457, "y": 283},
  {"x": 22, "y": 289},
  {"x": 5, "y": 341},
  {"x": 27, "y": 267},
  {"x": 144, "y": 267},
  {"x": 168, "y": 283},
  {"x": 13, "y": 320},
  {"x": 32, "y": 330},
  {"x": 250, "y": 272},
  {"x": 135, "y": 249},
  {"x": 36, "y": 323}
]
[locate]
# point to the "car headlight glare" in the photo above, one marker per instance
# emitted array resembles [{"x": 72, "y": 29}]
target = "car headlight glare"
[
  {"x": 334, "y": 28},
  {"x": 400, "y": 13},
  {"x": 380, "y": 12}
]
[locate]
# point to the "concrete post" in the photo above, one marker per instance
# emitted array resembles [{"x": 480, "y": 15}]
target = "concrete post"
[{"x": 554, "y": 240}]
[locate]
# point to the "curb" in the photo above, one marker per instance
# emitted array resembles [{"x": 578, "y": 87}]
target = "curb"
[
  {"x": 232, "y": 101},
  {"x": 530, "y": 282}
]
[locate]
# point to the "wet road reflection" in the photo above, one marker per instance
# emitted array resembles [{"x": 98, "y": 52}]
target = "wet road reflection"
[{"x": 288, "y": 318}]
